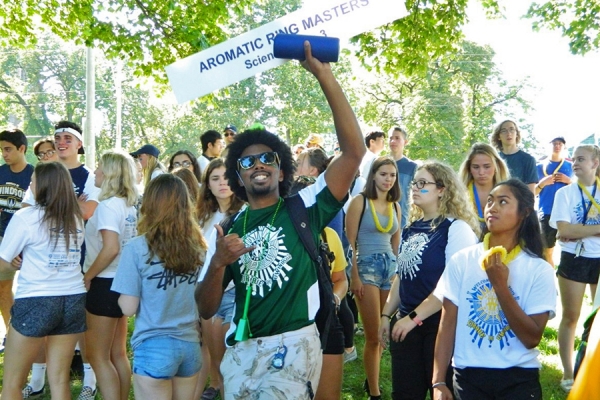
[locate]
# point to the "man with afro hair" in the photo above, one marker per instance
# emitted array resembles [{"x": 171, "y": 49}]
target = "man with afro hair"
[{"x": 275, "y": 351}]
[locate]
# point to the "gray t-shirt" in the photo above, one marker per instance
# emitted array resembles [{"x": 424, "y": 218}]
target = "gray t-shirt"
[
  {"x": 369, "y": 239},
  {"x": 167, "y": 305}
]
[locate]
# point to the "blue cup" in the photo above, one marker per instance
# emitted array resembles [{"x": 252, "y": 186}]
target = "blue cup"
[{"x": 324, "y": 49}]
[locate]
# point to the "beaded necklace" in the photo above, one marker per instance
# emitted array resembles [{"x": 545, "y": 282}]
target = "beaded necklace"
[
  {"x": 506, "y": 258},
  {"x": 376, "y": 219}
]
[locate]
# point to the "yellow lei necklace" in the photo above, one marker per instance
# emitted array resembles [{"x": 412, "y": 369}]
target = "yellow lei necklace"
[
  {"x": 377, "y": 224},
  {"x": 506, "y": 258}
]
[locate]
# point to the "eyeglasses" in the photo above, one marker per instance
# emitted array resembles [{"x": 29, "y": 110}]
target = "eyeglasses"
[
  {"x": 183, "y": 164},
  {"x": 40, "y": 156},
  {"x": 266, "y": 158},
  {"x": 511, "y": 130},
  {"x": 420, "y": 184},
  {"x": 227, "y": 134}
]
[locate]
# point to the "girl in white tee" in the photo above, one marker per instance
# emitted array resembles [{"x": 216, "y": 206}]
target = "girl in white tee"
[
  {"x": 50, "y": 297},
  {"x": 495, "y": 308}
]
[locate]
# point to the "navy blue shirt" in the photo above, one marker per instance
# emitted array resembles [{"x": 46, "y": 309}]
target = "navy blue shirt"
[
  {"x": 421, "y": 262},
  {"x": 12, "y": 190},
  {"x": 521, "y": 166}
]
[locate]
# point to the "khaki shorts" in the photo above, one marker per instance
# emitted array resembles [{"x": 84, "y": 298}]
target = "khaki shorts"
[{"x": 248, "y": 372}]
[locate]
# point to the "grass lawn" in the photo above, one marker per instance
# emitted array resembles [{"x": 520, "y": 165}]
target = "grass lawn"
[{"x": 354, "y": 376}]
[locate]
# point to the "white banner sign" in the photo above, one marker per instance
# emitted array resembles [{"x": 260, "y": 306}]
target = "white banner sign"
[{"x": 252, "y": 52}]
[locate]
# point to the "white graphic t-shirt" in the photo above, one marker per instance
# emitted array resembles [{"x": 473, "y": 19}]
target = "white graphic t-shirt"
[
  {"x": 49, "y": 268},
  {"x": 484, "y": 338}
]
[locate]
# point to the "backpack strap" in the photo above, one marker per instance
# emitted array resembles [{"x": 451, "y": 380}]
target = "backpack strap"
[
  {"x": 362, "y": 212},
  {"x": 299, "y": 216},
  {"x": 227, "y": 222}
]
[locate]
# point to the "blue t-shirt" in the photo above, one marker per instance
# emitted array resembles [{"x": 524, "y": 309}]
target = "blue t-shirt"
[
  {"x": 546, "y": 199},
  {"x": 12, "y": 190},
  {"x": 521, "y": 166},
  {"x": 406, "y": 173}
]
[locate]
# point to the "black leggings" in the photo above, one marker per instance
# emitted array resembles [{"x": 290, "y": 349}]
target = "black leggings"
[{"x": 412, "y": 361}]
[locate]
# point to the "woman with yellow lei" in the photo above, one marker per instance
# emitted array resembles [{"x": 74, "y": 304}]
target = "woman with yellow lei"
[
  {"x": 372, "y": 228},
  {"x": 497, "y": 298},
  {"x": 480, "y": 172}
]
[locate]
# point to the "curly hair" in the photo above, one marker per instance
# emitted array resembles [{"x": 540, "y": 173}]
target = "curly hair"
[
  {"x": 501, "y": 172},
  {"x": 454, "y": 202},
  {"x": 119, "y": 177},
  {"x": 495, "y": 139},
  {"x": 259, "y": 136},
  {"x": 169, "y": 224},
  {"x": 208, "y": 204}
]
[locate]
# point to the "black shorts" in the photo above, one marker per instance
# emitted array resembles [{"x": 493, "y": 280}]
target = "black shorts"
[
  {"x": 548, "y": 232},
  {"x": 49, "y": 315},
  {"x": 101, "y": 300},
  {"x": 578, "y": 269},
  {"x": 495, "y": 383},
  {"x": 335, "y": 339}
]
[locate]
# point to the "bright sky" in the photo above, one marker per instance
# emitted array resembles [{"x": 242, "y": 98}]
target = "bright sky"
[{"x": 567, "y": 86}]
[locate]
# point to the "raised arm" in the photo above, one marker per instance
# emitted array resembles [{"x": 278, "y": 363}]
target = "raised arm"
[{"x": 341, "y": 170}]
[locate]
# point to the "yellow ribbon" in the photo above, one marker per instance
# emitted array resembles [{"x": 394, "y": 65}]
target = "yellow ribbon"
[
  {"x": 506, "y": 258},
  {"x": 588, "y": 194},
  {"x": 557, "y": 168}
]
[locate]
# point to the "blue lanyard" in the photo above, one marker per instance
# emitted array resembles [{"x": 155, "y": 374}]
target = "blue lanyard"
[
  {"x": 585, "y": 215},
  {"x": 478, "y": 203}
]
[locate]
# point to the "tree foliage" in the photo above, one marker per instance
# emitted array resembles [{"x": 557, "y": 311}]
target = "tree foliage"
[
  {"x": 578, "y": 20},
  {"x": 448, "y": 110}
]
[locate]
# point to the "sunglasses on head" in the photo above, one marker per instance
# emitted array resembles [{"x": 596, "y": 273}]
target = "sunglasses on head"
[{"x": 266, "y": 158}]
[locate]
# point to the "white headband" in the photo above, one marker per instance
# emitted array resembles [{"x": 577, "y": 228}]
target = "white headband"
[{"x": 71, "y": 131}]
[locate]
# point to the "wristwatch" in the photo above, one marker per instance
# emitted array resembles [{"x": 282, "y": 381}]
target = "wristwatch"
[{"x": 413, "y": 315}]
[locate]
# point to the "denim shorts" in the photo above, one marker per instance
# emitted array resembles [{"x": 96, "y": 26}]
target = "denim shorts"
[
  {"x": 377, "y": 269},
  {"x": 164, "y": 357},
  {"x": 225, "y": 311},
  {"x": 49, "y": 315}
]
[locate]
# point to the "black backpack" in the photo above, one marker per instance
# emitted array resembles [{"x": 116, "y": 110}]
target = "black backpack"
[{"x": 322, "y": 258}]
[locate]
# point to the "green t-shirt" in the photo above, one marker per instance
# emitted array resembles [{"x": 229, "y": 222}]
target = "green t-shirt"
[{"x": 285, "y": 292}]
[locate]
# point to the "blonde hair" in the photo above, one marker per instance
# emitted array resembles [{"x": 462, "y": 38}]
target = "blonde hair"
[
  {"x": 501, "y": 172},
  {"x": 119, "y": 173},
  {"x": 151, "y": 165},
  {"x": 594, "y": 150},
  {"x": 454, "y": 202}
]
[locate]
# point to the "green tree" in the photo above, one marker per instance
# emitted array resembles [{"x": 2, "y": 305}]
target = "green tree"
[
  {"x": 448, "y": 110},
  {"x": 578, "y": 20}
]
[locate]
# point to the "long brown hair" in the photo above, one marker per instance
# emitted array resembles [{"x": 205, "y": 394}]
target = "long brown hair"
[
  {"x": 370, "y": 191},
  {"x": 207, "y": 203},
  {"x": 190, "y": 181},
  {"x": 54, "y": 193},
  {"x": 169, "y": 223}
]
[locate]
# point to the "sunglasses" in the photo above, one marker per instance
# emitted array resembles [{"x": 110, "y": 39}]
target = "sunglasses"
[
  {"x": 184, "y": 164},
  {"x": 227, "y": 134},
  {"x": 40, "y": 156},
  {"x": 266, "y": 158}
]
